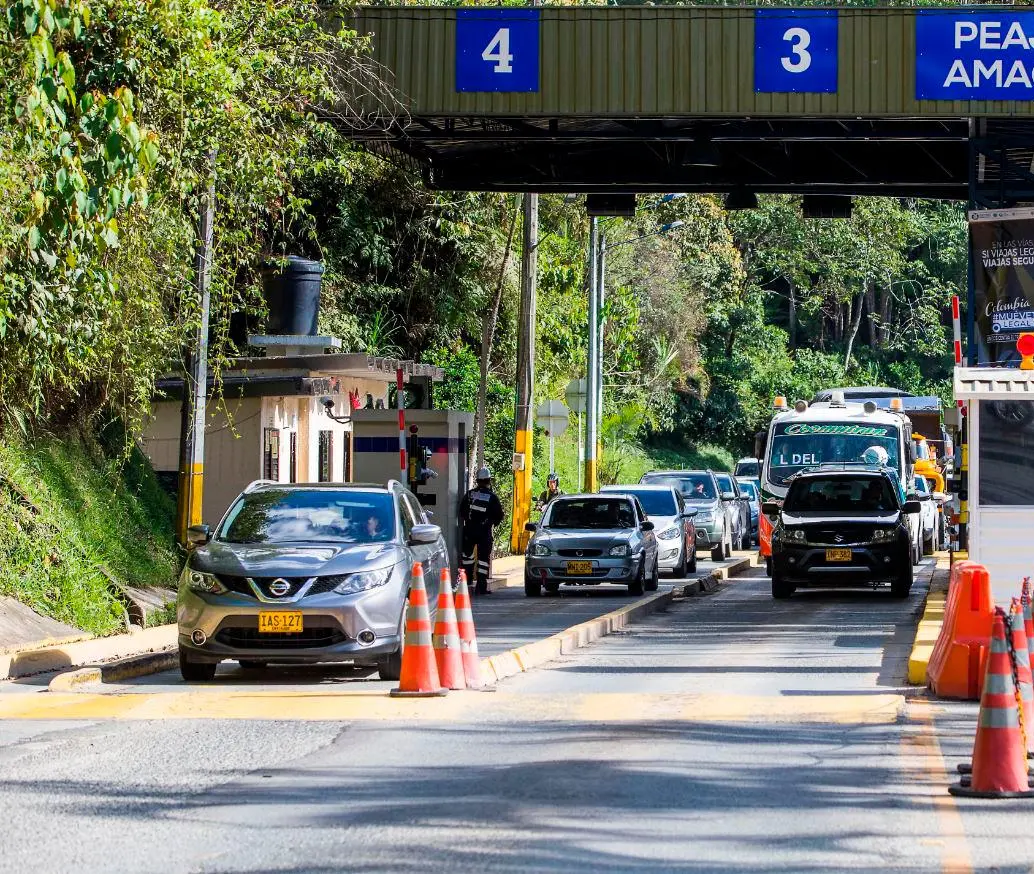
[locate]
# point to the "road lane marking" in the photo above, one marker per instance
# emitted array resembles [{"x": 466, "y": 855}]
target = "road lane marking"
[
  {"x": 955, "y": 855},
  {"x": 501, "y": 707}
]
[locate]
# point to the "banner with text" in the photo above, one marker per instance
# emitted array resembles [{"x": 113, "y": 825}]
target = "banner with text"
[
  {"x": 974, "y": 55},
  {"x": 1002, "y": 254}
]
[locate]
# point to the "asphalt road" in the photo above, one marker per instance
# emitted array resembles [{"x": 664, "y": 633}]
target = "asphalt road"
[{"x": 730, "y": 733}]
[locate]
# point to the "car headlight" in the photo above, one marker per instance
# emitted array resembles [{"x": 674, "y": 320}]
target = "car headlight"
[
  {"x": 794, "y": 535},
  {"x": 363, "y": 581},
  {"x": 622, "y": 549},
  {"x": 540, "y": 549},
  {"x": 198, "y": 581},
  {"x": 883, "y": 535},
  {"x": 669, "y": 533}
]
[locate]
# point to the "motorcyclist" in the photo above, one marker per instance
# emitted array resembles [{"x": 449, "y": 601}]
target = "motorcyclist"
[
  {"x": 552, "y": 491},
  {"x": 480, "y": 512}
]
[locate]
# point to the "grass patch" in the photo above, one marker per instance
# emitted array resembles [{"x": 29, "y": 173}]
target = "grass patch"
[{"x": 76, "y": 517}]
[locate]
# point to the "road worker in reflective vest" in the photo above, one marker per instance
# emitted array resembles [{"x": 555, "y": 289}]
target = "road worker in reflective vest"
[{"x": 480, "y": 512}]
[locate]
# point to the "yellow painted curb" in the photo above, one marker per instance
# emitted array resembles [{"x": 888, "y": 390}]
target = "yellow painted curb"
[{"x": 927, "y": 631}]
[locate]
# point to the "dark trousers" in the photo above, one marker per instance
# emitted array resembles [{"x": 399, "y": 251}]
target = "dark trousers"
[{"x": 480, "y": 540}]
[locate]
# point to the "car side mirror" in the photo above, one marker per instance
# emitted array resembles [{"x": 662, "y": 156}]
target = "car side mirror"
[
  {"x": 531, "y": 526},
  {"x": 728, "y": 496},
  {"x": 689, "y": 514},
  {"x": 912, "y": 507},
  {"x": 646, "y": 526},
  {"x": 421, "y": 535},
  {"x": 198, "y": 535},
  {"x": 771, "y": 509}
]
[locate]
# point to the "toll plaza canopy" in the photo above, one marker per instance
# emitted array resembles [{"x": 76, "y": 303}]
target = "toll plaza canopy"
[{"x": 933, "y": 102}]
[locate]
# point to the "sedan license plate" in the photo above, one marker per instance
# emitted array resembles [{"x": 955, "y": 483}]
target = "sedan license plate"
[
  {"x": 280, "y": 623},
  {"x": 838, "y": 555},
  {"x": 579, "y": 567}
]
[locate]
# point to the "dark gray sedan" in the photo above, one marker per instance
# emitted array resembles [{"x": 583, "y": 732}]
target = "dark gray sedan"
[
  {"x": 304, "y": 574},
  {"x": 586, "y": 540}
]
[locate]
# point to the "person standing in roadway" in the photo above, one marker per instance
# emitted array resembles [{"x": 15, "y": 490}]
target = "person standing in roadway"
[{"x": 480, "y": 512}]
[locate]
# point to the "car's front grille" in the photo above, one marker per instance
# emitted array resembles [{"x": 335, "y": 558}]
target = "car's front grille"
[
  {"x": 250, "y": 638},
  {"x": 241, "y": 586},
  {"x": 579, "y": 553},
  {"x": 847, "y": 535}
]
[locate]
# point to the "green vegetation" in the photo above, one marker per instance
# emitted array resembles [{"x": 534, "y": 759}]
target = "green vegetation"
[{"x": 76, "y": 521}]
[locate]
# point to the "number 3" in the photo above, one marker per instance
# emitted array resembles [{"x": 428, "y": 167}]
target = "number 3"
[
  {"x": 498, "y": 50},
  {"x": 799, "y": 40}
]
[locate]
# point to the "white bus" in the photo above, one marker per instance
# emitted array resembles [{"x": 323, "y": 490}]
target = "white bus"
[{"x": 829, "y": 432}]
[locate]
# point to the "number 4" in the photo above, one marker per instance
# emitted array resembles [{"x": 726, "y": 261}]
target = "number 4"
[{"x": 498, "y": 50}]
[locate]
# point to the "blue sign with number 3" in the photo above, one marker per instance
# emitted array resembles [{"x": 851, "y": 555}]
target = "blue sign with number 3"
[
  {"x": 795, "y": 51},
  {"x": 497, "y": 49}
]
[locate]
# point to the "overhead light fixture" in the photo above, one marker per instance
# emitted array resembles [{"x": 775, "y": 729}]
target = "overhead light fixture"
[
  {"x": 741, "y": 199},
  {"x": 702, "y": 152}
]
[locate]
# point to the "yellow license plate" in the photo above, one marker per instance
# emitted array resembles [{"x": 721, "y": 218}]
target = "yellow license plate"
[
  {"x": 579, "y": 567},
  {"x": 280, "y": 623},
  {"x": 838, "y": 555}
]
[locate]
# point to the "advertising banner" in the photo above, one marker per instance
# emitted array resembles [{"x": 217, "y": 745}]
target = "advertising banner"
[
  {"x": 1002, "y": 254},
  {"x": 974, "y": 55}
]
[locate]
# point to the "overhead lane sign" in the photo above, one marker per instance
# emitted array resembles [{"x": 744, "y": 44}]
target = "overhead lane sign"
[
  {"x": 497, "y": 50},
  {"x": 974, "y": 55},
  {"x": 795, "y": 51}
]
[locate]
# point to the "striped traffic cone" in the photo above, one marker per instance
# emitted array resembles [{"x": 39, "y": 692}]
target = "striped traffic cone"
[
  {"x": 447, "y": 638},
  {"x": 999, "y": 753},
  {"x": 468, "y": 637},
  {"x": 1028, "y": 620},
  {"x": 419, "y": 677},
  {"x": 1021, "y": 652}
]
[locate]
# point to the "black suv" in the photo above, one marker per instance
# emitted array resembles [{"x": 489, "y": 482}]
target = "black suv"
[{"x": 841, "y": 525}]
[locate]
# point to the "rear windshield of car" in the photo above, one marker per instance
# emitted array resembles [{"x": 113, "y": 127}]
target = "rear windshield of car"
[
  {"x": 317, "y": 516},
  {"x": 655, "y": 503},
  {"x": 694, "y": 486},
  {"x": 590, "y": 513},
  {"x": 841, "y": 494},
  {"x": 747, "y": 468},
  {"x": 747, "y": 491}
]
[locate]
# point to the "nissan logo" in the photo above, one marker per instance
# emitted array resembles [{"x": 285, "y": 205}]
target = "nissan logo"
[{"x": 279, "y": 587}]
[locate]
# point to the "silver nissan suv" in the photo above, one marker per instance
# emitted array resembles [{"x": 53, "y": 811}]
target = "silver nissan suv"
[{"x": 303, "y": 574}]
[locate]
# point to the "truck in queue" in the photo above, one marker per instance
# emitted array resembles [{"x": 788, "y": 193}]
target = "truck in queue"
[{"x": 834, "y": 431}]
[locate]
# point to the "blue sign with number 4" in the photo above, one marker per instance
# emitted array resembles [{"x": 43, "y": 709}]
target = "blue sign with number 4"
[
  {"x": 497, "y": 49},
  {"x": 795, "y": 51}
]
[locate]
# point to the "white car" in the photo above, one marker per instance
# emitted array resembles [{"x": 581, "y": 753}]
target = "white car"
[
  {"x": 930, "y": 516},
  {"x": 676, "y": 533}
]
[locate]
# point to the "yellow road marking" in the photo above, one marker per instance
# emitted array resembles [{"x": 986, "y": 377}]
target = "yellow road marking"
[
  {"x": 955, "y": 856},
  {"x": 499, "y": 707}
]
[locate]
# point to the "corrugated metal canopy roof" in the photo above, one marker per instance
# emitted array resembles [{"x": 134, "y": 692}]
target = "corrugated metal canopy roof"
[{"x": 993, "y": 384}]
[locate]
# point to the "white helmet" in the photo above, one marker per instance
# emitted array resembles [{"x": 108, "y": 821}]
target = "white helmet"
[
  {"x": 484, "y": 473},
  {"x": 875, "y": 455}
]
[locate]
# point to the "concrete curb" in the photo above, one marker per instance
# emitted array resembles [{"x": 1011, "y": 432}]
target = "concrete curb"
[
  {"x": 711, "y": 582},
  {"x": 125, "y": 669},
  {"x": 929, "y": 628},
  {"x": 531, "y": 655}
]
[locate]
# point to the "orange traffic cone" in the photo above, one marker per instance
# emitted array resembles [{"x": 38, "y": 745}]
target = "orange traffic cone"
[
  {"x": 419, "y": 677},
  {"x": 999, "y": 753},
  {"x": 468, "y": 637},
  {"x": 1028, "y": 619},
  {"x": 447, "y": 638},
  {"x": 1021, "y": 653}
]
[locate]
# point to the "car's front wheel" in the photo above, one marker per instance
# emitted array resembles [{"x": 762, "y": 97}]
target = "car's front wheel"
[
  {"x": 718, "y": 551},
  {"x": 902, "y": 583},
  {"x": 636, "y": 587},
  {"x": 679, "y": 570},
  {"x": 728, "y": 546},
  {"x": 195, "y": 672},
  {"x": 532, "y": 588},
  {"x": 781, "y": 589},
  {"x": 655, "y": 578},
  {"x": 389, "y": 667}
]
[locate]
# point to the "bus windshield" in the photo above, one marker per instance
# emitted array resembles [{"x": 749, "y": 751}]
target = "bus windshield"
[{"x": 797, "y": 445}]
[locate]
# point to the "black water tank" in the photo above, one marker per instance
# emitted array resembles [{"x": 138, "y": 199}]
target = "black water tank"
[{"x": 292, "y": 291}]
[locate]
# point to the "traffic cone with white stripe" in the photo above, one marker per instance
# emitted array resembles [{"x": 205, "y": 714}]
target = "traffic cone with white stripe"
[
  {"x": 1024, "y": 679},
  {"x": 468, "y": 637},
  {"x": 999, "y": 749},
  {"x": 419, "y": 676},
  {"x": 447, "y": 638},
  {"x": 1028, "y": 618}
]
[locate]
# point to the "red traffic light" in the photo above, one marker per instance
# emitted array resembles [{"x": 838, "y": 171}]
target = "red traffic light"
[{"x": 1025, "y": 344}]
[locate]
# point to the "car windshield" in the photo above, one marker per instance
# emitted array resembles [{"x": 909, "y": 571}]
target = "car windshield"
[
  {"x": 590, "y": 513},
  {"x": 841, "y": 494},
  {"x": 655, "y": 502},
  {"x": 747, "y": 491},
  {"x": 316, "y": 516},
  {"x": 694, "y": 486},
  {"x": 747, "y": 468},
  {"x": 724, "y": 482},
  {"x": 797, "y": 445}
]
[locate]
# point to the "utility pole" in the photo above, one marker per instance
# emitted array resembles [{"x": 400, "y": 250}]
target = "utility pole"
[
  {"x": 195, "y": 386},
  {"x": 601, "y": 289},
  {"x": 592, "y": 370},
  {"x": 523, "y": 443}
]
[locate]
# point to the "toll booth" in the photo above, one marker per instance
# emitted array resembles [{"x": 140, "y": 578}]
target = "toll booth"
[
  {"x": 1000, "y": 495},
  {"x": 444, "y": 434}
]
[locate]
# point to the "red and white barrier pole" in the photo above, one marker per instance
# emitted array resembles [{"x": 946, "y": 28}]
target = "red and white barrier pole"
[
  {"x": 401, "y": 396},
  {"x": 956, "y": 324}
]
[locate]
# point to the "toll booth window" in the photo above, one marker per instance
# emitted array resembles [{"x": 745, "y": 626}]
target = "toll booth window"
[
  {"x": 326, "y": 453},
  {"x": 1006, "y": 453}
]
